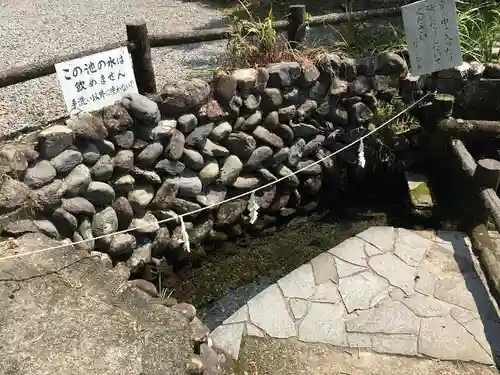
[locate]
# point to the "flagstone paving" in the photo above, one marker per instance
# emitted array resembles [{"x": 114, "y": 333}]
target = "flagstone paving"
[{"x": 387, "y": 290}]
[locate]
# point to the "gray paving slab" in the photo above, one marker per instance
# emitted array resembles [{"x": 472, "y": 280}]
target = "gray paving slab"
[
  {"x": 324, "y": 268},
  {"x": 387, "y": 291}
]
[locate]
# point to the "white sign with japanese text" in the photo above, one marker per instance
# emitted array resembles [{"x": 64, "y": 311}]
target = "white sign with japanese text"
[
  {"x": 432, "y": 34},
  {"x": 96, "y": 81}
]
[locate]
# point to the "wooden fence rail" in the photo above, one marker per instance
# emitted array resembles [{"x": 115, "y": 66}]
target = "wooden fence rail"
[{"x": 139, "y": 43}]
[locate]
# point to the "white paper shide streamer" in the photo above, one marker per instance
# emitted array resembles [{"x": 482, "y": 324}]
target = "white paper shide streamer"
[
  {"x": 185, "y": 236},
  {"x": 253, "y": 208},
  {"x": 361, "y": 155}
]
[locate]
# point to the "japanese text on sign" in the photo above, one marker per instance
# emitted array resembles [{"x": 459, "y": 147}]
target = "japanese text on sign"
[
  {"x": 93, "y": 82},
  {"x": 432, "y": 34}
]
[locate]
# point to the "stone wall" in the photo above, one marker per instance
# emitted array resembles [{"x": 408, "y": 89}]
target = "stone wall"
[{"x": 193, "y": 145}]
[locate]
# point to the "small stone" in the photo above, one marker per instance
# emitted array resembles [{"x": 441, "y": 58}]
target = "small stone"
[
  {"x": 183, "y": 206},
  {"x": 347, "y": 69},
  {"x": 103, "y": 258},
  {"x": 192, "y": 159},
  {"x": 188, "y": 182},
  {"x": 77, "y": 181},
  {"x": 163, "y": 130},
  {"x": 271, "y": 99},
  {"x": 221, "y": 131},
  {"x": 142, "y": 109},
  {"x": 116, "y": 119},
  {"x": 212, "y": 149},
  {"x": 302, "y": 130},
  {"x": 308, "y": 168},
  {"x": 161, "y": 242},
  {"x": 164, "y": 195},
  {"x": 198, "y": 137},
  {"x": 238, "y": 123},
  {"x": 145, "y": 224},
  {"x": 66, "y": 161},
  {"x": 241, "y": 145},
  {"x": 41, "y": 174},
  {"x": 360, "y": 114},
  {"x": 287, "y": 113},
  {"x": 291, "y": 180},
  {"x": 91, "y": 154},
  {"x": 144, "y": 285},
  {"x": 124, "y": 160},
  {"x": 140, "y": 197},
  {"x": 65, "y": 222},
  {"x": 187, "y": 123},
  {"x": 45, "y": 198},
  {"x": 124, "y": 140},
  {"x": 146, "y": 176},
  {"x": 262, "y": 79},
  {"x": 104, "y": 222},
  {"x": 229, "y": 212},
  {"x": 312, "y": 146},
  {"x": 124, "y": 184},
  {"x": 225, "y": 86},
  {"x": 209, "y": 172},
  {"x": 100, "y": 193},
  {"x": 283, "y": 74},
  {"x": 78, "y": 206},
  {"x": 104, "y": 146},
  {"x": 280, "y": 156},
  {"x": 13, "y": 161},
  {"x": 360, "y": 86},
  {"x": 251, "y": 103},
  {"x": 46, "y": 227},
  {"x": 246, "y": 182},
  {"x": 245, "y": 79},
  {"x": 124, "y": 212},
  {"x": 389, "y": 63},
  {"x": 103, "y": 169},
  {"x": 259, "y": 156},
  {"x": 54, "y": 140},
  {"x": 296, "y": 151},
  {"x": 122, "y": 247},
  {"x": 169, "y": 167},
  {"x": 285, "y": 133},
  {"x": 211, "y": 111},
  {"x": 87, "y": 126},
  {"x": 149, "y": 155},
  {"x": 310, "y": 74},
  {"x": 251, "y": 122},
  {"x": 175, "y": 146},
  {"x": 19, "y": 227},
  {"x": 213, "y": 194},
  {"x": 262, "y": 134},
  {"x": 140, "y": 257},
  {"x": 271, "y": 121}
]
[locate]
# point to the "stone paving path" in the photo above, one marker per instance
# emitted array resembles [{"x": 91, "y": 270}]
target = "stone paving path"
[{"x": 386, "y": 290}]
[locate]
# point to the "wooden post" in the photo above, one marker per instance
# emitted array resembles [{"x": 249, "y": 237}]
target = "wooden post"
[
  {"x": 486, "y": 176},
  {"x": 296, "y": 25},
  {"x": 140, "y": 50}
]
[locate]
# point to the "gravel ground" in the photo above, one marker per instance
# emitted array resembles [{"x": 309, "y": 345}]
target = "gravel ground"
[{"x": 35, "y": 30}]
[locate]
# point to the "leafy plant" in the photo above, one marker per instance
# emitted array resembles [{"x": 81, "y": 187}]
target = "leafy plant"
[{"x": 479, "y": 26}]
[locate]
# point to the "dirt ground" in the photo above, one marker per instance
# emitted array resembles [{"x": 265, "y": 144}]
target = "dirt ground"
[{"x": 291, "y": 357}]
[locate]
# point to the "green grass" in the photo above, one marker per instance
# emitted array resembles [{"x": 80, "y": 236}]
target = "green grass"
[{"x": 254, "y": 42}]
